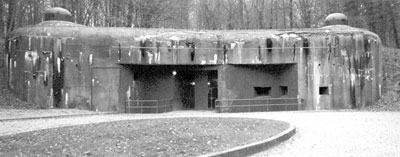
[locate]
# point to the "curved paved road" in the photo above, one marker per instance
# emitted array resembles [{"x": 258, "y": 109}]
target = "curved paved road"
[
  {"x": 319, "y": 133},
  {"x": 342, "y": 134}
]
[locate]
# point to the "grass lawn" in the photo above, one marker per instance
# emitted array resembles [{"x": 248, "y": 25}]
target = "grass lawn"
[{"x": 152, "y": 137}]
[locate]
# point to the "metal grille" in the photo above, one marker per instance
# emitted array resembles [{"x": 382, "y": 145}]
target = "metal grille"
[
  {"x": 149, "y": 106},
  {"x": 259, "y": 105}
]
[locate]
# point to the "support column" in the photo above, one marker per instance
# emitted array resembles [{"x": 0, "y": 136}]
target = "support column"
[{"x": 201, "y": 91}]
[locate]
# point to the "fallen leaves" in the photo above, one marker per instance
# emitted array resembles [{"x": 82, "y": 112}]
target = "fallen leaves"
[
  {"x": 8, "y": 100},
  {"x": 155, "y": 137},
  {"x": 390, "y": 101}
]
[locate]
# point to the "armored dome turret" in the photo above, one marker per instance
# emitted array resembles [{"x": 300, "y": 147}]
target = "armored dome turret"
[
  {"x": 336, "y": 19},
  {"x": 57, "y": 13}
]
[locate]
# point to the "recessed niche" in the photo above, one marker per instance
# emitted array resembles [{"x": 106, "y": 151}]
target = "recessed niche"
[
  {"x": 284, "y": 90},
  {"x": 269, "y": 44},
  {"x": 262, "y": 91},
  {"x": 323, "y": 90}
]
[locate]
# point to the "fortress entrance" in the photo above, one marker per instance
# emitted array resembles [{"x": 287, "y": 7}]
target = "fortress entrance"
[
  {"x": 188, "y": 87},
  {"x": 197, "y": 88}
]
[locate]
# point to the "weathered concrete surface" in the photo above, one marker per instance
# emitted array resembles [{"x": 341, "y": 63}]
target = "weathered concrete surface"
[
  {"x": 62, "y": 64},
  {"x": 240, "y": 80}
]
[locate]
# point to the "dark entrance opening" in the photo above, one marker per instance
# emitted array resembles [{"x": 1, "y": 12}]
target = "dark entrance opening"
[
  {"x": 187, "y": 84},
  {"x": 198, "y": 88},
  {"x": 323, "y": 90},
  {"x": 212, "y": 88},
  {"x": 58, "y": 80},
  {"x": 262, "y": 91},
  {"x": 284, "y": 90},
  {"x": 186, "y": 87}
]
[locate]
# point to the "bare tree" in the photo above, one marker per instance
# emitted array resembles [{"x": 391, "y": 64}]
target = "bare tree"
[
  {"x": 305, "y": 8},
  {"x": 291, "y": 14},
  {"x": 2, "y": 28},
  {"x": 379, "y": 16},
  {"x": 194, "y": 14},
  {"x": 284, "y": 13},
  {"x": 12, "y": 5}
]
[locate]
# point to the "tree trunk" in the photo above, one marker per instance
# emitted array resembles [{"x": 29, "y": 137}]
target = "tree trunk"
[
  {"x": 2, "y": 30},
  {"x": 276, "y": 15},
  {"x": 107, "y": 13},
  {"x": 12, "y": 4},
  {"x": 291, "y": 13},
  {"x": 193, "y": 14},
  {"x": 36, "y": 13},
  {"x": 272, "y": 13},
  {"x": 129, "y": 17},
  {"x": 241, "y": 14},
  {"x": 305, "y": 10},
  {"x": 393, "y": 21},
  {"x": 395, "y": 34},
  {"x": 261, "y": 14},
  {"x": 64, "y": 4},
  {"x": 46, "y": 4},
  {"x": 284, "y": 13}
]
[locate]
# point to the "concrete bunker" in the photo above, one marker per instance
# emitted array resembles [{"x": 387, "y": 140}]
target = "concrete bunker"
[{"x": 62, "y": 64}]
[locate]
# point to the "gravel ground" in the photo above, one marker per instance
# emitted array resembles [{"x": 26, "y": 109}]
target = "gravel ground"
[
  {"x": 340, "y": 134},
  {"x": 6, "y": 114},
  {"x": 13, "y": 127},
  {"x": 150, "y": 137},
  {"x": 319, "y": 133}
]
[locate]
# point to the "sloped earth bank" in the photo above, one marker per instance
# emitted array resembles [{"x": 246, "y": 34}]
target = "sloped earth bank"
[
  {"x": 390, "y": 101},
  {"x": 151, "y": 137},
  {"x": 8, "y": 100}
]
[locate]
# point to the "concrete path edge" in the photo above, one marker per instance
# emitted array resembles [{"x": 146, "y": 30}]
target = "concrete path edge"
[{"x": 255, "y": 147}]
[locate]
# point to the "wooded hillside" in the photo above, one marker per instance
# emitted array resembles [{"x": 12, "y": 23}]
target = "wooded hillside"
[{"x": 379, "y": 16}]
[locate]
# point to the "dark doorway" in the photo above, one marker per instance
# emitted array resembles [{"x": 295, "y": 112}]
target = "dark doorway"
[
  {"x": 212, "y": 88},
  {"x": 186, "y": 86},
  {"x": 58, "y": 75},
  {"x": 198, "y": 89}
]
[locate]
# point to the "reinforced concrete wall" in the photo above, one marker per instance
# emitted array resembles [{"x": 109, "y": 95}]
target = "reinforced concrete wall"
[
  {"x": 242, "y": 81},
  {"x": 66, "y": 65}
]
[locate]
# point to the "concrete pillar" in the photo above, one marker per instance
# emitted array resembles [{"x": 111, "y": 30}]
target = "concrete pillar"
[{"x": 201, "y": 91}]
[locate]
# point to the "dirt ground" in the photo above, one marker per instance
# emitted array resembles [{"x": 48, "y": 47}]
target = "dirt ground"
[
  {"x": 8, "y": 114},
  {"x": 151, "y": 137},
  {"x": 332, "y": 134},
  {"x": 318, "y": 133}
]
